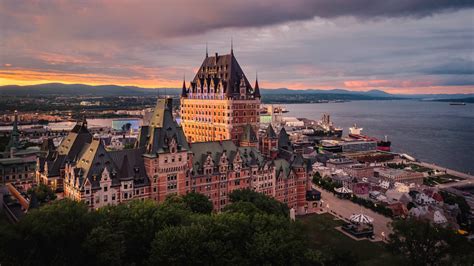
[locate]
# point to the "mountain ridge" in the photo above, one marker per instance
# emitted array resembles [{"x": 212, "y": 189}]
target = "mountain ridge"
[{"x": 49, "y": 89}]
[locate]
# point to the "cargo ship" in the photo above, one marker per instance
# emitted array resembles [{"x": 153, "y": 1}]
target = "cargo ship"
[{"x": 356, "y": 133}]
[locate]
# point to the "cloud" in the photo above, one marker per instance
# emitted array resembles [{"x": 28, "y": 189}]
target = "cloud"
[
  {"x": 112, "y": 19},
  {"x": 454, "y": 67},
  {"x": 292, "y": 43}
]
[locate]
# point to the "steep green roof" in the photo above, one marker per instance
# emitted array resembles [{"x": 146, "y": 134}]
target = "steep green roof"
[{"x": 249, "y": 134}]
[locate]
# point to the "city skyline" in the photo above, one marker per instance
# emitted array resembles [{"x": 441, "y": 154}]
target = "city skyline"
[{"x": 398, "y": 47}]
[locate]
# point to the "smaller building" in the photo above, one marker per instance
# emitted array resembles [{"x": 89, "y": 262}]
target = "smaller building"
[
  {"x": 19, "y": 171},
  {"x": 339, "y": 163},
  {"x": 398, "y": 175}
]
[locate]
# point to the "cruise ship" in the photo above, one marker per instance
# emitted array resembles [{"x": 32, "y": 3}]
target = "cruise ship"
[{"x": 355, "y": 132}]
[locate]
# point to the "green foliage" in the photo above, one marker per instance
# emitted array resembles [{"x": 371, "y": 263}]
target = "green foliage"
[
  {"x": 198, "y": 203},
  {"x": 51, "y": 235},
  {"x": 180, "y": 230},
  {"x": 261, "y": 202},
  {"x": 231, "y": 239},
  {"x": 382, "y": 209},
  {"x": 425, "y": 244},
  {"x": 43, "y": 193},
  {"x": 463, "y": 218},
  {"x": 325, "y": 183},
  {"x": 247, "y": 208}
]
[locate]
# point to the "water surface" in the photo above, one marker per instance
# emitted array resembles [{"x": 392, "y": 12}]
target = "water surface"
[{"x": 431, "y": 131}]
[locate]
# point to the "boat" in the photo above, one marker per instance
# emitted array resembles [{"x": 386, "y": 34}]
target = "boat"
[
  {"x": 355, "y": 132},
  {"x": 461, "y": 103}
]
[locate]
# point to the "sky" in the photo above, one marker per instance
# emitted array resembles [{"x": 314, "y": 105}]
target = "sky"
[{"x": 398, "y": 46}]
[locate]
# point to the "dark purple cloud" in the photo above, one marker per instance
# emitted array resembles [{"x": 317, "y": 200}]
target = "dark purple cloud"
[
  {"x": 150, "y": 19},
  {"x": 291, "y": 42}
]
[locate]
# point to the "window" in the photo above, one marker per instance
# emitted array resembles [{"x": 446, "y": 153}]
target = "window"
[
  {"x": 105, "y": 189},
  {"x": 105, "y": 198},
  {"x": 113, "y": 197},
  {"x": 125, "y": 186},
  {"x": 87, "y": 192}
]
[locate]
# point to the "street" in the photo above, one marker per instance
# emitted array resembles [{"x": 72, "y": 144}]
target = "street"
[{"x": 346, "y": 208}]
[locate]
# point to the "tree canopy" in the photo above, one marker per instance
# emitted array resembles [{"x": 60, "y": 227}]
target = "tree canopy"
[
  {"x": 426, "y": 244},
  {"x": 260, "y": 201},
  {"x": 181, "y": 230}
]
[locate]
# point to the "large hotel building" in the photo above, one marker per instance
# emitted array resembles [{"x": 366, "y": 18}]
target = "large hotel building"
[
  {"x": 214, "y": 151},
  {"x": 219, "y": 102}
]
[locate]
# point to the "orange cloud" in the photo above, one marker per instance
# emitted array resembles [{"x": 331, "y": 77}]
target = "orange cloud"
[{"x": 28, "y": 77}]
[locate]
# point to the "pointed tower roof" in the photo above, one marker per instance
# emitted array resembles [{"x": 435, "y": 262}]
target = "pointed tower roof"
[
  {"x": 270, "y": 132},
  {"x": 284, "y": 140},
  {"x": 298, "y": 161},
  {"x": 15, "y": 135},
  {"x": 163, "y": 128},
  {"x": 256, "y": 88},
  {"x": 184, "y": 92},
  {"x": 225, "y": 66}
]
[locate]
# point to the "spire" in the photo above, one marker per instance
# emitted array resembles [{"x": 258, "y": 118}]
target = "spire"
[
  {"x": 184, "y": 92},
  {"x": 207, "y": 54},
  {"x": 257, "y": 88},
  {"x": 15, "y": 122},
  {"x": 231, "y": 46},
  {"x": 14, "y": 136},
  {"x": 270, "y": 132}
]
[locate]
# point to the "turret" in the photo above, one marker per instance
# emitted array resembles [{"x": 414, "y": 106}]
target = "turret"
[
  {"x": 256, "y": 93},
  {"x": 184, "y": 92}
]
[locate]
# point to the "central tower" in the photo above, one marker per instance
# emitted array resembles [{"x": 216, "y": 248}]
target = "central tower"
[{"x": 219, "y": 102}]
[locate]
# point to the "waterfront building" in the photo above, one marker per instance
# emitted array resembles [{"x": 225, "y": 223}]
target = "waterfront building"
[
  {"x": 398, "y": 175},
  {"x": 17, "y": 165},
  {"x": 163, "y": 163},
  {"x": 50, "y": 170},
  {"x": 219, "y": 102}
]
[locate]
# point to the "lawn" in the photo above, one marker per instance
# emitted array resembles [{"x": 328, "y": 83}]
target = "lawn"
[
  {"x": 324, "y": 236},
  {"x": 441, "y": 179}
]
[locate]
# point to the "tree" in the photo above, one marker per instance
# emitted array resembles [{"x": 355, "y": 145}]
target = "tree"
[
  {"x": 425, "y": 244},
  {"x": 232, "y": 239},
  {"x": 126, "y": 127},
  {"x": 52, "y": 234},
  {"x": 43, "y": 193},
  {"x": 261, "y": 202},
  {"x": 247, "y": 208},
  {"x": 198, "y": 203},
  {"x": 103, "y": 246},
  {"x": 135, "y": 223}
]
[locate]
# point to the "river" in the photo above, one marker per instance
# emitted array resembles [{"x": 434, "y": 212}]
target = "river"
[{"x": 434, "y": 132}]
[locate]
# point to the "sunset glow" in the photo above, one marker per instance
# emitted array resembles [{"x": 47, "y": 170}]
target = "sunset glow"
[{"x": 308, "y": 46}]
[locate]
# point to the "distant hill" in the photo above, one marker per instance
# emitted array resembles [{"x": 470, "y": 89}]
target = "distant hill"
[
  {"x": 375, "y": 93},
  {"x": 51, "y": 89}
]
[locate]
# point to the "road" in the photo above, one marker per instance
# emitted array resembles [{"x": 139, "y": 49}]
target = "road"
[{"x": 346, "y": 208}]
